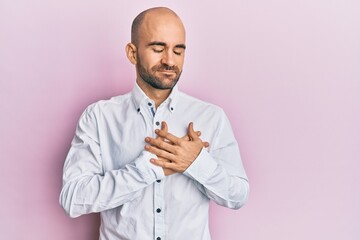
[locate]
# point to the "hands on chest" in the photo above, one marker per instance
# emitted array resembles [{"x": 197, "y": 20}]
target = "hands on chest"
[{"x": 175, "y": 154}]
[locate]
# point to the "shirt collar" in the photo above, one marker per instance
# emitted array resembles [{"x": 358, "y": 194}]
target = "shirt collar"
[{"x": 139, "y": 98}]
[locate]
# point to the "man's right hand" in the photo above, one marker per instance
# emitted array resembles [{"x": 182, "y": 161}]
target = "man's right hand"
[{"x": 164, "y": 129}]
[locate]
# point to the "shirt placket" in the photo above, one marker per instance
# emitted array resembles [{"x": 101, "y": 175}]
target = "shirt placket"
[
  {"x": 159, "y": 210},
  {"x": 159, "y": 203}
]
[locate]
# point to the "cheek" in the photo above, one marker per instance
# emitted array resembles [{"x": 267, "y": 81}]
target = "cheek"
[
  {"x": 148, "y": 59},
  {"x": 180, "y": 63},
  {"x": 181, "y": 59},
  {"x": 152, "y": 62}
]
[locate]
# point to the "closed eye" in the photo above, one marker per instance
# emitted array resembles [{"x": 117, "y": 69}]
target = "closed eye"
[
  {"x": 158, "y": 50},
  {"x": 179, "y": 51}
]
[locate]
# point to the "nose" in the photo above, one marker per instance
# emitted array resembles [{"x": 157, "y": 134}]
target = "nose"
[{"x": 168, "y": 58}]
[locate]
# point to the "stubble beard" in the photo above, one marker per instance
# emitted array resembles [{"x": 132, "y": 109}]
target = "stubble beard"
[{"x": 156, "y": 82}]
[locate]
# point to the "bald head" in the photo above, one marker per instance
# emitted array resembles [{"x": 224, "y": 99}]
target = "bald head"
[
  {"x": 151, "y": 15},
  {"x": 157, "y": 49}
]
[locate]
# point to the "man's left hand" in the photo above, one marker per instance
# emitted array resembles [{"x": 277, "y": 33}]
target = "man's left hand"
[{"x": 179, "y": 153}]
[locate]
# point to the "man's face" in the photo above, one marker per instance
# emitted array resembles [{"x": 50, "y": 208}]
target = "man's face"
[{"x": 160, "y": 52}]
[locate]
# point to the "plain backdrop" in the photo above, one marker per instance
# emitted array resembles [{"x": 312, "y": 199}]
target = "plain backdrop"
[{"x": 287, "y": 73}]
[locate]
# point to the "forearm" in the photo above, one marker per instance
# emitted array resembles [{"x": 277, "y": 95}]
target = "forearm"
[
  {"x": 88, "y": 192},
  {"x": 226, "y": 188}
]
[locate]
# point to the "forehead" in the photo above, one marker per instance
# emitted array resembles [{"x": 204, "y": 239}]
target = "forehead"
[{"x": 163, "y": 28}]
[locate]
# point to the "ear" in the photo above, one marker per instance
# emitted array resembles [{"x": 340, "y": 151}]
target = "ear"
[{"x": 130, "y": 50}]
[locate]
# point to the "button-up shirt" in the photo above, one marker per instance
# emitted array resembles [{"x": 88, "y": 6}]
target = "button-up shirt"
[{"x": 107, "y": 169}]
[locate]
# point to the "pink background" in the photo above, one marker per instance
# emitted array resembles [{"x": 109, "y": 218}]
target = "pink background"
[{"x": 286, "y": 72}]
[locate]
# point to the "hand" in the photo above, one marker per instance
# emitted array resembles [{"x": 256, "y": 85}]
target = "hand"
[
  {"x": 164, "y": 128},
  {"x": 175, "y": 154}
]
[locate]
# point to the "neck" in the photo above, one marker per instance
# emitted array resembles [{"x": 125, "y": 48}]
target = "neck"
[{"x": 157, "y": 95}]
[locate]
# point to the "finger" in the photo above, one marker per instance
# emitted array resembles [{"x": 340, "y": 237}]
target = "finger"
[
  {"x": 206, "y": 144},
  {"x": 192, "y": 134},
  {"x": 164, "y": 159},
  {"x": 186, "y": 138},
  {"x": 159, "y": 143},
  {"x": 160, "y": 153},
  {"x": 164, "y": 126},
  {"x": 162, "y": 164},
  {"x": 168, "y": 136}
]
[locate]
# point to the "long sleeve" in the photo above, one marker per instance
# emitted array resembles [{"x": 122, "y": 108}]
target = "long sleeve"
[
  {"x": 87, "y": 187},
  {"x": 219, "y": 174}
]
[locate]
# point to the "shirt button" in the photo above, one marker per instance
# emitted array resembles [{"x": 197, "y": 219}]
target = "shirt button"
[
  {"x": 149, "y": 104},
  {"x": 158, "y": 238},
  {"x": 172, "y": 108},
  {"x": 158, "y": 180},
  {"x": 138, "y": 109},
  {"x": 158, "y": 210},
  {"x": 157, "y": 123}
]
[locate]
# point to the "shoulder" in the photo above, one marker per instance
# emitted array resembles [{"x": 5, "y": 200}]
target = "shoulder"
[
  {"x": 196, "y": 104},
  {"x": 95, "y": 113},
  {"x": 108, "y": 105}
]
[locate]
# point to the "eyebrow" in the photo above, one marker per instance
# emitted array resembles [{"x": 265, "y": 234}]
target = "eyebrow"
[
  {"x": 164, "y": 44},
  {"x": 180, "y": 46}
]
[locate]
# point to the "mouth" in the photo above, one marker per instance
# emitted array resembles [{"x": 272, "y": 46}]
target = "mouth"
[{"x": 167, "y": 72}]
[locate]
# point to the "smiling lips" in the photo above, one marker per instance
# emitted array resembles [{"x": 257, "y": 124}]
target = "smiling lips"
[{"x": 167, "y": 72}]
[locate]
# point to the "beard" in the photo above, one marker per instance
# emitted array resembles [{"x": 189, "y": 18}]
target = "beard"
[{"x": 161, "y": 82}]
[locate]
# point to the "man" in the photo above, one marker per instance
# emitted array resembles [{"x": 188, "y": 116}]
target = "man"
[{"x": 137, "y": 159}]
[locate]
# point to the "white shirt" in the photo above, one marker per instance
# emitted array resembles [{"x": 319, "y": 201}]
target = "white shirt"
[{"x": 107, "y": 169}]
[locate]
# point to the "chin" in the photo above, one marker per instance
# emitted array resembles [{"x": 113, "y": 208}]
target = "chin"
[{"x": 168, "y": 85}]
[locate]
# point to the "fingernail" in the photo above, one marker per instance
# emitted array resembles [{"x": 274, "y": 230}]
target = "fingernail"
[{"x": 147, "y": 139}]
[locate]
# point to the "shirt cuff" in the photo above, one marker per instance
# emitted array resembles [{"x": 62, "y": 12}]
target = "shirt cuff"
[
  {"x": 202, "y": 168},
  {"x": 149, "y": 171}
]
